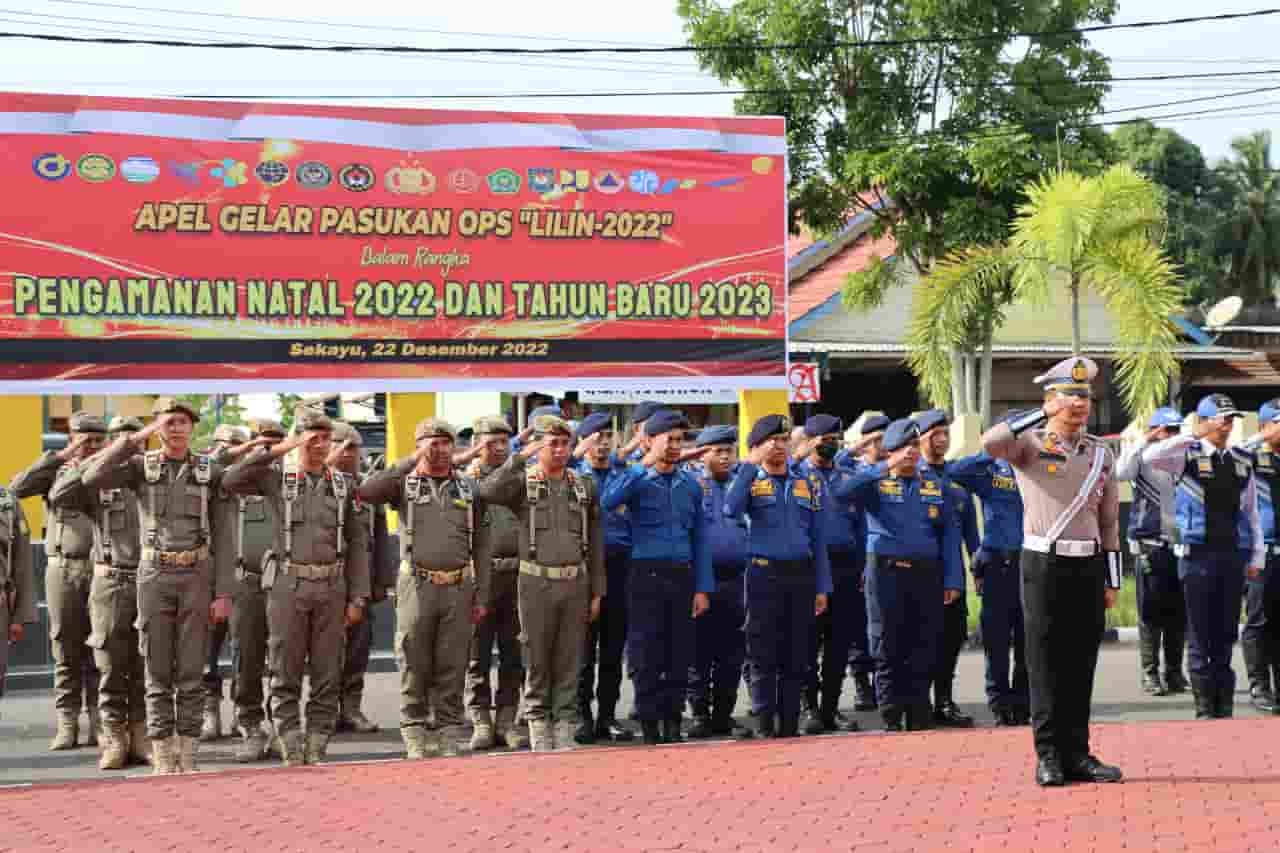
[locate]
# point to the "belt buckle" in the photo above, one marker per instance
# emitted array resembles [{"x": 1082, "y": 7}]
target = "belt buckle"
[{"x": 902, "y": 564}]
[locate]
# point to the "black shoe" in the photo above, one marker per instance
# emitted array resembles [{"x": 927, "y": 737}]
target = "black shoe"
[
  {"x": 728, "y": 727},
  {"x": 671, "y": 732},
  {"x": 919, "y": 718},
  {"x": 1151, "y": 685},
  {"x": 586, "y": 733},
  {"x": 838, "y": 722},
  {"x": 1204, "y": 700},
  {"x": 789, "y": 725},
  {"x": 1022, "y": 717},
  {"x": 1224, "y": 704},
  {"x": 1263, "y": 700},
  {"x": 649, "y": 731},
  {"x": 609, "y": 729},
  {"x": 892, "y": 719},
  {"x": 814, "y": 724},
  {"x": 764, "y": 725},
  {"x": 949, "y": 715},
  {"x": 1005, "y": 716},
  {"x": 1175, "y": 683},
  {"x": 1090, "y": 769},
  {"x": 1049, "y": 772},
  {"x": 701, "y": 728},
  {"x": 864, "y": 695}
]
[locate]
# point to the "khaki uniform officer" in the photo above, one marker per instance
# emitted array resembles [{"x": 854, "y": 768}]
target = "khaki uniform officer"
[
  {"x": 562, "y": 576},
  {"x": 317, "y": 578},
  {"x": 113, "y": 607},
  {"x": 247, "y": 527},
  {"x": 348, "y": 448},
  {"x": 68, "y": 545},
  {"x": 17, "y": 578},
  {"x": 443, "y": 585},
  {"x": 176, "y": 578}
]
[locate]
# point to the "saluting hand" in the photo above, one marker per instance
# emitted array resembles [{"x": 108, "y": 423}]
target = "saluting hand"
[
  {"x": 69, "y": 452},
  {"x": 142, "y": 436},
  {"x": 587, "y": 445},
  {"x": 478, "y": 613},
  {"x": 820, "y": 604},
  {"x": 701, "y": 604},
  {"x": 757, "y": 454},
  {"x": 16, "y": 630},
  {"x": 950, "y": 596},
  {"x": 355, "y": 615},
  {"x": 657, "y": 451},
  {"x": 336, "y": 453},
  {"x": 531, "y": 450}
]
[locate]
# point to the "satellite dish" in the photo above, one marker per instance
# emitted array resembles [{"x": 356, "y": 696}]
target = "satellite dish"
[{"x": 1224, "y": 312}]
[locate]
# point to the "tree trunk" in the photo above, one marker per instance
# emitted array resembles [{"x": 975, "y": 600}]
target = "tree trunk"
[
  {"x": 970, "y": 384},
  {"x": 957, "y": 381},
  {"x": 986, "y": 376},
  {"x": 1075, "y": 313}
]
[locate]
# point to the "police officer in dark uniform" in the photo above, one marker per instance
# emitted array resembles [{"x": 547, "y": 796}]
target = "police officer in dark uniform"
[
  {"x": 608, "y": 634},
  {"x": 998, "y": 581},
  {"x": 868, "y": 450},
  {"x": 720, "y": 645},
  {"x": 789, "y": 576},
  {"x": 670, "y": 579},
  {"x": 935, "y": 441},
  {"x": 847, "y": 553},
  {"x": 1260, "y": 640},
  {"x": 1221, "y": 542},
  {"x": 914, "y": 570},
  {"x": 1162, "y": 610}
]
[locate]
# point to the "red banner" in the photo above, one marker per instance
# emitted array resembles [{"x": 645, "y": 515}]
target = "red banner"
[{"x": 243, "y": 244}]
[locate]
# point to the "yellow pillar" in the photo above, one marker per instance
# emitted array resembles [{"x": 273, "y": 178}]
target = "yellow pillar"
[
  {"x": 22, "y": 446},
  {"x": 754, "y": 405},
  {"x": 403, "y": 413}
]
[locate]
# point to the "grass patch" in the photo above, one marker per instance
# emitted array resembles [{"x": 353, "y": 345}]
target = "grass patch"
[{"x": 1123, "y": 615}]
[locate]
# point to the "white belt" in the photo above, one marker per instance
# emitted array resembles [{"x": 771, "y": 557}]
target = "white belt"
[{"x": 1062, "y": 547}]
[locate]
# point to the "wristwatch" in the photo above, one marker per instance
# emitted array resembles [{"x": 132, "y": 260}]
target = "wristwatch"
[{"x": 360, "y": 602}]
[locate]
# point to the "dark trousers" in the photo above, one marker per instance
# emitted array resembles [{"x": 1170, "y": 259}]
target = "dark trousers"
[
  {"x": 1162, "y": 608},
  {"x": 212, "y": 674},
  {"x": 832, "y": 633},
  {"x": 606, "y": 639},
  {"x": 1064, "y": 610},
  {"x": 904, "y": 614},
  {"x": 954, "y": 631},
  {"x": 1001, "y": 619},
  {"x": 719, "y": 650},
  {"x": 855, "y": 611},
  {"x": 780, "y": 604},
  {"x": 1261, "y": 635},
  {"x": 1213, "y": 583},
  {"x": 660, "y": 637}
]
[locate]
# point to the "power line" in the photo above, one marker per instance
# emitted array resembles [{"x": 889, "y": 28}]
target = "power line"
[{"x": 747, "y": 47}]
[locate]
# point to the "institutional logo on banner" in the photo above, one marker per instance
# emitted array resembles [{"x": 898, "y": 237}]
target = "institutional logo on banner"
[
  {"x": 273, "y": 173},
  {"x": 410, "y": 179},
  {"x": 356, "y": 177},
  {"x": 803, "y": 379},
  {"x": 464, "y": 181},
  {"x": 51, "y": 167},
  {"x": 96, "y": 168},
  {"x": 643, "y": 181},
  {"x": 542, "y": 180},
  {"x": 504, "y": 182},
  {"x": 314, "y": 175},
  {"x": 232, "y": 173},
  {"x": 609, "y": 182},
  {"x": 140, "y": 170}
]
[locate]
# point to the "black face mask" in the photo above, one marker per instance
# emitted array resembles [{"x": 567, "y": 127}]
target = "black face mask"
[{"x": 827, "y": 452}]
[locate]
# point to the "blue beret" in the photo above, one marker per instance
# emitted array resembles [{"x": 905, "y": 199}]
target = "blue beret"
[
  {"x": 932, "y": 419},
  {"x": 767, "y": 427},
  {"x": 664, "y": 420},
  {"x": 900, "y": 433},
  {"x": 1218, "y": 405},
  {"x": 1269, "y": 412},
  {"x": 594, "y": 423},
  {"x": 717, "y": 435},
  {"x": 875, "y": 423},
  {"x": 644, "y": 410},
  {"x": 1169, "y": 417},
  {"x": 822, "y": 425},
  {"x": 544, "y": 410}
]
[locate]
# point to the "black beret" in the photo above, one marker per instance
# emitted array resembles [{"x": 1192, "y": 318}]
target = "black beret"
[
  {"x": 822, "y": 425},
  {"x": 644, "y": 410},
  {"x": 594, "y": 423},
  {"x": 932, "y": 419},
  {"x": 900, "y": 433},
  {"x": 664, "y": 420},
  {"x": 875, "y": 423},
  {"x": 767, "y": 427},
  {"x": 717, "y": 435}
]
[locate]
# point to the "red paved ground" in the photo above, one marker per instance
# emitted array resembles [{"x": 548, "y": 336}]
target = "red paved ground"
[{"x": 1190, "y": 786}]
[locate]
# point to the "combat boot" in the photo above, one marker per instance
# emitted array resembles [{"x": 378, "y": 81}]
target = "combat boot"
[
  {"x": 813, "y": 723},
  {"x": 211, "y": 724},
  {"x": 450, "y": 739},
  {"x": 482, "y": 733},
  {"x": 317, "y": 746},
  {"x": 187, "y": 747},
  {"x": 415, "y": 743},
  {"x": 892, "y": 716},
  {"x": 353, "y": 719},
  {"x": 507, "y": 731},
  {"x": 67, "y": 734},
  {"x": 1224, "y": 703},
  {"x": 139, "y": 743},
  {"x": 115, "y": 747},
  {"x": 565, "y": 736},
  {"x": 764, "y": 726},
  {"x": 585, "y": 734},
  {"x": 671, "y": 731},
  {"x": 701, "y": 727},
  {"x": 164, "y": 756},
  {"x": 95, "y": 724},
  {"x": 291, "y": 749},
  {"x": 864, "y": 694},
  {"x": 1204, "y": 698},
  {"x": 1148, "y": 656},
  {"x": 253, "y": 746},
  {"x": 541, "y": 738}
]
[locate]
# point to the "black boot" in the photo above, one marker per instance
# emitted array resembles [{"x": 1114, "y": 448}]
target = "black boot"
[
  {"x": 1175, "y": 644},
  {"x": 764, "y": 725},
  {"x": 947, "y": 714},
  {"x": 789, "y": 724},
  {"x": 814, "y": 724},
  {"x": 701, "y": 727},
  {"x": 919, "y": 717},
  {"x": 892, "y": 716},
  {"x": 586, "y": 733},
  {"x": 609, "y": 729},
  {"x": 833, "y": 719},
  {"x": 864, "y": 695},
  {"x": 1224, "y": 707},
  {"x": 1204, "y": 697},
  {"x": 650, "y": 732},
  {"x": 671, "y": 731},
  {"x": 1258, "y": 668},
  {"x": 1149, "y": 656},
  {"x": 726, "y": 726}
]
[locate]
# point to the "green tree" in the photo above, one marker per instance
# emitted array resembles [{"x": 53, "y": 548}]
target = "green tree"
[
  {"x": 1195, "y": 198},
  {"x": 214, "y": 410},
  {"x": 1087, "y": 232},
  {"x": 287, "y": 403},
  {"x": 934, "y": 140},
  {"x": 1248, "y": 239}
]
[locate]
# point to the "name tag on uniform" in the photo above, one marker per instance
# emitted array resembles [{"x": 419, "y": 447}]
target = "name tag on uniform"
[
  {"x": 930, "y": 489},
  {"x": 1205, "y": 464},
  {"x": 762, "y": 489},
  {"x": 1006, "y": 483},
  {"x": 1052, "y": 468},
  {"x": 933, "y": 512},
  {"x": 891, "y": 487}
]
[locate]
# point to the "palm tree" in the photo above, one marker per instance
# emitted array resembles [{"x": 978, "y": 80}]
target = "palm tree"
[
  {"x": 1249, "y": 235},
  {"x": 1101, "y": 233}
]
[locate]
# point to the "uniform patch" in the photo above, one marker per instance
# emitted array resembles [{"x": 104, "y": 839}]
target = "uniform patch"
[
  {"x": 1052, "y": 468},
  {"x": 891, "y": 487},
  {"x": 1205, "y": 464},
  {"x": 800, "y": 489},
  {"x": 1007, "y": 483},
  {"x": 933, "y": 512},
  {"x": 762, "y": 489},
  {"x": 930, "y": 489}
]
